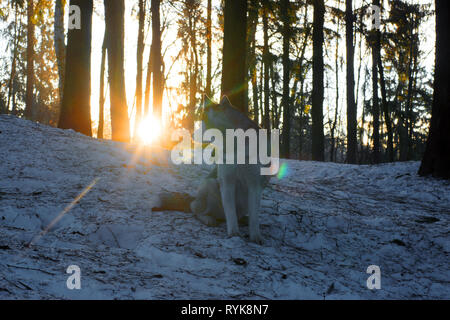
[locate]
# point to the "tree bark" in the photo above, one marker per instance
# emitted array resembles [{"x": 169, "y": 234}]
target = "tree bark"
[
  {"x": 194, "y": 68},
  {"x": 14, "y": 58},
  {"x": 208, "y": 49},
  {"x": 76, "y": 104},
  {"x": 29, "y": 112},
  {"x": 386, "y": 112},
  {"x": 252, "y": 61},
  {"x": 158, "y": 85},
  {"x": 436, "y": 160},
  {"x": 101, "y": 117},
  {"x": 352, "y": 141},
  {"x": 139, "y": 63},
  {"x": 273, "y": 94},
  {"x": 286, "y": 139},
  {"x": 114, "y": 18},
  {"x": 60, "y": 46},
  {"x": 148, "y": 82},
  {"x": 409, "y": 103},
  {"x": 375, "y": 103},
  {"x": 336, "y": 113},
  {"x": 234, "y": 53},
  {"x": 266, "y": 62},
  {"x": 318, "y": 138},
  {"x": 301, "y": 76}
]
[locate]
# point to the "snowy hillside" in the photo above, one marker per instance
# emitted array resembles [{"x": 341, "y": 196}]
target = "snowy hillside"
[{"x": 323, "y": 225}]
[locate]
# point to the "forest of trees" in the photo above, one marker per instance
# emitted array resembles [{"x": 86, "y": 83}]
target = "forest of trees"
[{"x": 338, "y": 87}]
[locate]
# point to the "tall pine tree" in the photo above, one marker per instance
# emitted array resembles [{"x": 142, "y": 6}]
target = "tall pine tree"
[
  {"x": 76, "y": 104},
  {"x": 114, "y": 18},
  {"x": 234, "y": 53},
  {"x": 318, "y": 144},
  {"x": 436, "y": 160}
]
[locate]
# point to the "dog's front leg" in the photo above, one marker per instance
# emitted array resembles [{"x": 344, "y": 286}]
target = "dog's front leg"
[
  {"x": 228, "y": 193},
  {"x": 254, "y": 204}
]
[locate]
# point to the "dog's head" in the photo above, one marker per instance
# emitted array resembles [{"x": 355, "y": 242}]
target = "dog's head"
[{"x": 224, "y": 116}]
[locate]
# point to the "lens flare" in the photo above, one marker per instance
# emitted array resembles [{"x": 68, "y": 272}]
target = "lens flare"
[
  {"x": 283, "y": 172},
  {"x": 149, "y": 130}
]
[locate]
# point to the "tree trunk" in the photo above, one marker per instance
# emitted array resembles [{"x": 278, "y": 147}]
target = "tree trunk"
[
  {"x": 208, "y": 49},
  {"x": 148, "y": 82},
  {"x": 409, "y": 104},
  {"x": 139, "y": 63},
  {"x": 375, "y": 112},
  {"x": 361, "y": 158},
  {"x": 60, "y": 46},
  {"x": 351, "y": 105},
  {"x": 101, "y": 117},
  {"x": 318, "y": 88},
  {"x": 411, "y": 154},
  {"x": 29, "y": 112},
  {"x": 358, "y": 81},
  {"x": 286, "y": 140},
  {"x": 302, "y": 111},
  {"x": 234, "y": 53},
  {"x": 157, "y": 60},
  {"x": 76, "y": 104},
  {"x": 436, "y": 160},
  {"x": 114, "y": 18},
  {"x": 386, "y": 112},
  {"x": 194, "y": 76},
  {"x": 375, "y": 106},
  {"x": 273, "y": 94},
  {"x": 252, "y": 61},
  {"x": 261, "y": 95},
  {"x": 14, "y": 58},
  {"x": 266, "y": 62},
  {"x": 301, "y": 76},
  {"x": 335, "y": 122}
]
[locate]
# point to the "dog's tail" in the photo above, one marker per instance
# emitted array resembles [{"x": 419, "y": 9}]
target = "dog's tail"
[{"x": 174, "y": 201}]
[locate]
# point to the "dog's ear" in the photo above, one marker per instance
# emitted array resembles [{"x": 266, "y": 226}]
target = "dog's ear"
[
  {"x": 225, "y": 102},
  {"x": 207, "y": 102}
]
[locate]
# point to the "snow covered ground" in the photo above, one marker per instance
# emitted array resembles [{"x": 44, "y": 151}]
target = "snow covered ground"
[{"x": 87, "y": 202}]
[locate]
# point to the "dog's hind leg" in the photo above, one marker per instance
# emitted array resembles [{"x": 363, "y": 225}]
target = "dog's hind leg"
[
  {"x": 254, "y": 204},
  {"x": 227, "y": 190}
]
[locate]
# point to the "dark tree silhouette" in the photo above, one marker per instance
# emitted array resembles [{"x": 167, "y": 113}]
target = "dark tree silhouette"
[
  {"x": 114, "y": 18},
  {"x": 148, "y": 82},
  {"x": 375, "y": 36},
  {"x": 30, "y": 60},
  {"x": 286, "y": 139},
  {"x": 234, "y": 53},
  {"x": 266, "y": 64},
  {"x": 76, "y": 103},
  {"x": 208, "y": 48},
  {"x": 351, "y": 105},
  {"x": 252, "y": 60},
  {"x": 436, "y": 160},
  {"x": 101, "y": 102},
  {"x": 386, "y": 112},
  {"x": 156, "y": 64},
  {"x": 318, "y": 144},
  {"x": 60, "y": 47},
  {"x": 139, "y": 63}
]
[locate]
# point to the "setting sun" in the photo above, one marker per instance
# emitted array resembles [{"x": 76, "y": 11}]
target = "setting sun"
[{"x": 149, "y": 130}]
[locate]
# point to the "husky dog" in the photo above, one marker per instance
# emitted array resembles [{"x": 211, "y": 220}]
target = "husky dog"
[
  {"x": 231, "y": 192},
  {"x": 240, "y": 185}
]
